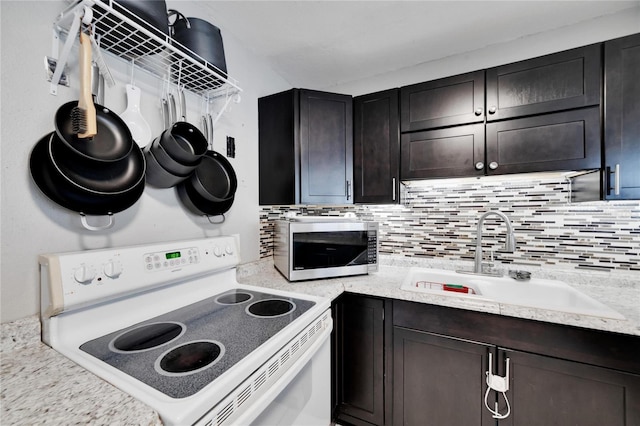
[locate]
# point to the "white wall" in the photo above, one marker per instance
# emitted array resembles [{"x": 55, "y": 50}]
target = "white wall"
[
  {"x": 592, "y": 31},
  {"x": 32, "y": 224}
]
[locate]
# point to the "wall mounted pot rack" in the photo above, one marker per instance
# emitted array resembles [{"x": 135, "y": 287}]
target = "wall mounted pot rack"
[{"x": 145, "y": 46}]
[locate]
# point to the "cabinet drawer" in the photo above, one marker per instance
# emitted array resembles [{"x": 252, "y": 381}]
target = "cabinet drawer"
[
  {"x": 565, "y": 80},
  {"x": 443, "y": 102},
  {"x": 451, "y": 152},
  {"x": 561, "y": 141}
]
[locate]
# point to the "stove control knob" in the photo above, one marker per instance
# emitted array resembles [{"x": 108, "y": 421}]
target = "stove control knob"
[
  {"x": 84, "y": 274},
  {"x": 229, "y": 250},
  {"x": 217, "y": 251},
  {"x": 113, "y": 269}
]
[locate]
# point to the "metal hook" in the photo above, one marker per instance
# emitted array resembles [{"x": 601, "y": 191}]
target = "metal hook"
[{"x": 132, "y": 68}]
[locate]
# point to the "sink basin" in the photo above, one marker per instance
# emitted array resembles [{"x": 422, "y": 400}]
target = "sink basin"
[{"x": 535, "y": 292}]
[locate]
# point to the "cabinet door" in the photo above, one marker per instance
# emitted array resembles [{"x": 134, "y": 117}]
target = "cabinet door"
[
  {"x": 443, "y": 102},
  {"x": 622, "y": 117},
  {"x": 278, "y": 151},
  {"x": 376, "y": 148},
  {"x": 565, "y": 80},
  {"x": 361, "y": 360},
  {"x": 453, "y": 152},
  {"x": 553, "y": 392},
  {"x": 567, "y": 140},
  {"x": 438, "y": 380},
  {"x": 326, "y": 148}
]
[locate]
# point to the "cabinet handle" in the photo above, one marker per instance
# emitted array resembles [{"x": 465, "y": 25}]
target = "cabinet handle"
[
  {"x": 348, "y": 189},
  {"x": 616, "y": 180},
  {"x": 393, "y": 189},
  {"x": 493, "y": 165},
  {"x": 479, "y": 165},
  {"x": 492, "y": 109},
  {"x": 478, "y": 111}
]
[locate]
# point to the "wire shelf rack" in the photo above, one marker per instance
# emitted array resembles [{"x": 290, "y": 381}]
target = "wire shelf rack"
[{"x": 131, "y": 39}]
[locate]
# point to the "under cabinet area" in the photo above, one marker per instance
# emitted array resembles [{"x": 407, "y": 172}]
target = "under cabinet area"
[
  {"x": 305, "y": 148},
  {"x": 405, "y": 363},
  {"x": 376, "y": 144},
  {"x": 556, "y": 375}
]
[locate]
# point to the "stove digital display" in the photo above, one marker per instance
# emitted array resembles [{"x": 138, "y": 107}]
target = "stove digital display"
[{"x": 173, "y": 255}]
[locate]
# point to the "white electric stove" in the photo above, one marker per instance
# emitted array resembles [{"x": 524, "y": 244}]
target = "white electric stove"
[{"x": 169, "y": 324}]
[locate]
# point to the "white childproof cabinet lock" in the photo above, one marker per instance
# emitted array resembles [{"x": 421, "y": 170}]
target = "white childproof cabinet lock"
[{"x": 498, "y": 384}]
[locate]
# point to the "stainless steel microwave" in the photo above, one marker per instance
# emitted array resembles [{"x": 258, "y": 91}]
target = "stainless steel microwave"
[{"x": 310, "y": 249}]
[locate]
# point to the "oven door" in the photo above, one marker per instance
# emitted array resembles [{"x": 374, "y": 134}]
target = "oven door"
[{"x": 306, "y": 399}]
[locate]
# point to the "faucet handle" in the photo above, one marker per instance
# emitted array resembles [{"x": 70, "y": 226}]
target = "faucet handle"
[{"x": 520, "y": 275}]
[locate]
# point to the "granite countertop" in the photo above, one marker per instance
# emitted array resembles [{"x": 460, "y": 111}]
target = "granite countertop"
[
  {"x": 620, "y": 291},
  {"x": 41, "y": 386}
]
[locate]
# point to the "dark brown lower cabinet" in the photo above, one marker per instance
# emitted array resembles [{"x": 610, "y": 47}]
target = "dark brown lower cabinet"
[
  {"x": 438, "y": 380},
  {"x": 427, "y": 365},
  {"x": 361, "y": 359},
  {"x": 440, "y": 370},
  {"x": 553, "y": 392}
]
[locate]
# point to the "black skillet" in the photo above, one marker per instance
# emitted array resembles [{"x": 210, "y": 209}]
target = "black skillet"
[
  {"x": 63, "y": 191},
  {"x": 214, "y": 179}
]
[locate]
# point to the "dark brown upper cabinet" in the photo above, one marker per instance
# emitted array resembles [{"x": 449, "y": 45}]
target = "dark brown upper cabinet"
[
  {"x": 450, "y": 152},
  {"x": 305, "y": 148},
  {"x": 444, "y": 102},
  {"x": 376, "y": 148},
  {"x": 622, "y": 118},
  {"x": 556, "y": 82},
  {"x": 568, "y": 140}
]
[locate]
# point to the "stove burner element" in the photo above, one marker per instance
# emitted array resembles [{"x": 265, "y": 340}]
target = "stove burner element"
[
  {"x": 233, "y": 298},
  {"x": 147, "y": 336},
  {"x": 270, "y": 308},
  {"x": 189, "y": 358}
]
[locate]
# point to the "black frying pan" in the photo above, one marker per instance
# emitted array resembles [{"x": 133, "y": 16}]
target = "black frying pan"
[
  {"x": 214, "y": 179},
  {"x": 98, "y": 176},
  {"x": 198, "y": 205},
  {"x": 64, "y": 192},
  {"x": 112, "y": 142}
]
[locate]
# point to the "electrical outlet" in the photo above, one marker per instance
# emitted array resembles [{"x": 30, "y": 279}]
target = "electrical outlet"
[{"x": 231, "y": 147}]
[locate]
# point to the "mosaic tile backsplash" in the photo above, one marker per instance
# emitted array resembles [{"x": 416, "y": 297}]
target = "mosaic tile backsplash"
[{"x": 438, "y": 219}]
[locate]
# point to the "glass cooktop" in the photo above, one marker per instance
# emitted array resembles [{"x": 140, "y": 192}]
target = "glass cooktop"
[{"x": 182, "y": 351}]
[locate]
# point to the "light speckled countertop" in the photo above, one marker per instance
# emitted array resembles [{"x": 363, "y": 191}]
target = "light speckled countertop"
[
  {"x": 619, "y": 291},
  {"x": 40, "y": 386}
]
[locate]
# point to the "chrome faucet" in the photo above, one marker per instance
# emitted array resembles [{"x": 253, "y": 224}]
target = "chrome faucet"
[{"x": 510, "y": 239}]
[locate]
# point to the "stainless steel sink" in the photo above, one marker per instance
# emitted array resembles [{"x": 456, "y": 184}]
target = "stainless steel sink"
[{"x": 535, "y": 292}]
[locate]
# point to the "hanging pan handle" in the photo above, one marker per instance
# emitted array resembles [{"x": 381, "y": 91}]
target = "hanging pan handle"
[
  {"x": 85, "y": 223},
  {"x": 218, "y": 222}
]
